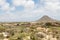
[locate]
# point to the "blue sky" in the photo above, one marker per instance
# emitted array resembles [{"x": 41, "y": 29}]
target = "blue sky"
[{"x": 28, "y": 10}]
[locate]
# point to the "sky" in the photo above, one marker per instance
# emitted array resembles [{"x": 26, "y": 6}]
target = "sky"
[{"x": 28, "y": 10}]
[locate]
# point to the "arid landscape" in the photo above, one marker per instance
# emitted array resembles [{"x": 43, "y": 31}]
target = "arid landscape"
[
  {"x": 29, "y": 19},
  {"x": 45, "y": 28}
]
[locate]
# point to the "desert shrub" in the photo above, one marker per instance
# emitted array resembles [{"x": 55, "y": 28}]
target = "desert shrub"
[
  {"x": 2, "y": 28},
  {"x": 1, "y": 36},
  {"x": 48, "y": 24},
  {"x": 17, "y": 25},
  {"x": 11, "y": 32},
  {"x": 32, "y": 37}
]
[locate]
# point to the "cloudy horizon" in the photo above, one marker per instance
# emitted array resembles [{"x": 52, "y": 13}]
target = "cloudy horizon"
[{"x": 28, "y": 10}]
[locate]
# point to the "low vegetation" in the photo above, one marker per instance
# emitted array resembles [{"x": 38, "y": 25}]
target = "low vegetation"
[{"x": 29, "y": 31}]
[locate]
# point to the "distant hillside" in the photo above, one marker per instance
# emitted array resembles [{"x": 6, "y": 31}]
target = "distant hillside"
[{"x": 46, "y": 18}]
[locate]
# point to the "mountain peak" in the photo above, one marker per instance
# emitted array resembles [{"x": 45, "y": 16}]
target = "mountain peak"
[{"x": 46, "y": 18}]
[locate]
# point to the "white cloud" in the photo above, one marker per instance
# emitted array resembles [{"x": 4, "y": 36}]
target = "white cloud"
[
  {"x": 18, "y": 2},
  {"x": 2, "y": 2},
  {"x": 8, "y": 17},
  {"x": 12, "y": 8},
  {"x": 4, "y": 5},
  {"x": 52, "y": 4},
  {"x": 28, "y": 4}
]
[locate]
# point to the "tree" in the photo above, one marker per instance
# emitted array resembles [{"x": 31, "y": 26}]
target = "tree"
[{"x": 48, "y": 24}]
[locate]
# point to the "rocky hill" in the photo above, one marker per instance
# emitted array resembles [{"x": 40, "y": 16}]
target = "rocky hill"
[{"x": 46, "y": 19}]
